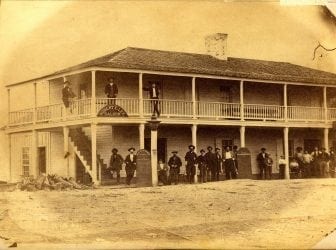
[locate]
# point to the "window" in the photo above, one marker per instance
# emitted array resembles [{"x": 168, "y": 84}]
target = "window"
[
  {"x": 226, "y": 143},
  {"x": 25, "y": 161}
]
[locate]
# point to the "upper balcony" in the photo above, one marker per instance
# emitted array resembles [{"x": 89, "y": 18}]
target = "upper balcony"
[{"x": 175, "y": 109}]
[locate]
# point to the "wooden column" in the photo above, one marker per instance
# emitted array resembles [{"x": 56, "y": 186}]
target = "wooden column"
[
  {"x": 285, "y": 103},
  {"x": 66, "y": 149},
  {"x": 193, "y": 96},
  {"x": 94, "y": 153},
  {"x": 241, "y": 99},
  {"x": 93, "y": 94},
  {"x": 154, "y": 156},
  {"x": 9, "y": 137},
  {"x": 35, "y": 104},
  {"x": 286, "y": 149},
  {"x": 326, "y": 139},
  {"x": 242, "y": 136},
  {"x": 325, "y": 104},
  {"x": 141, "y": 136},
  {"x": 141, "y": 102},
  {"x": 34, "y": 144},
  {"x": 9, "y": 105},
  {"x": 194, "y": 142}
]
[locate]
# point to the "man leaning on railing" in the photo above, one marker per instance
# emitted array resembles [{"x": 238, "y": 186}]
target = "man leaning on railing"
[
  {"x": 111, "y": 91},
  {"x": 67, "y": 95}
]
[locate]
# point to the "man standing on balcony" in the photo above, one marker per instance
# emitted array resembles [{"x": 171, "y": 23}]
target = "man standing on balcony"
[
  {"x": 190, "y": 158},
  {"x": 154, "y": 93},
  {"x": 116, "y": 162},
  {"x": 130, "y": 165},
  {"x": 111, "y": 90},
  {"x": 67, "y": 95}
]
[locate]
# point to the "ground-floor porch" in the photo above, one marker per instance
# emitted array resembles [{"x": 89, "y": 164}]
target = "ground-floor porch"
[{"x": 84, "y": 151}]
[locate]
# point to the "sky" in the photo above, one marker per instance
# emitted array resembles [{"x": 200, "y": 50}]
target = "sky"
[{"x": 40, "y": 37}]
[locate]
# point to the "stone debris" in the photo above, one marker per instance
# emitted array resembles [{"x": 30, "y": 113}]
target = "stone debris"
[{"x": 50, "y": 182}]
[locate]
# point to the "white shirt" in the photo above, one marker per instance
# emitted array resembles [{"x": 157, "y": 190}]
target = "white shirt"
[
  {"x": 228, "y": 155},
  {"x": 131, "y": 157},
  {"x": 154, "y": 92}
]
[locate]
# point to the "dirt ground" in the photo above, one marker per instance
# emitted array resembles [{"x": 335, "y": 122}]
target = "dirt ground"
[{"x": 229, "y": 214}]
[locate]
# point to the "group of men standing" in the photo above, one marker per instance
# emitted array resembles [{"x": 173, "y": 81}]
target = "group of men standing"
[
  {"x": 210, "y": 164},
  {"x": 319, "y": 163},
  {"x": 116, "y": 162}
]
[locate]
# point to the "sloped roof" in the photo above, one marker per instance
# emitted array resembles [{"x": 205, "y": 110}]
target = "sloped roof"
[{"x": 178, "y": 62}]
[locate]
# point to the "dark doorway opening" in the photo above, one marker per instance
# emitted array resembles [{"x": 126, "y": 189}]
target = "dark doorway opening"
[
  {"x": 161, "y": 146},
  {"x": 310, "y": 144},
  {"x": 42, "y": 160}
]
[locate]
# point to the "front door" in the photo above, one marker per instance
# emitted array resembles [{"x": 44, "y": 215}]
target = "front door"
[
  {"x": 161, "y": 147},
  {"x": 310, "y": 144},
  {"x": 42, "y": 160}
]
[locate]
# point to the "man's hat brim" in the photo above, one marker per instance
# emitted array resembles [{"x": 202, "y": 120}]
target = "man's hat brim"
[
  {"x": 114, "y": 149},
  {"x": 191, "y": 146},
  {"x": 174, "y": 152},
  {"x": 131, "y": 149}
]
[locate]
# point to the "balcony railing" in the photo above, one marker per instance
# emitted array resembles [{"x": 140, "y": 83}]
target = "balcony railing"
[
  {"x": 218, "y": 110},
  {"x": 81, "y": 109}
]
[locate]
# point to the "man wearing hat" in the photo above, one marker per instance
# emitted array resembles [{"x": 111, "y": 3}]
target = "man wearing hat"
[
  {"x": 111, "y": 90},
  {"x": 116, "y": 162},
  {"x": 174, "y": 164},
  {"x": 229, "y": 164},
  {"x": 211, "y": 163},
  {"x": 218, "y": 163},
  {"x": 262, "y": 163},
  {"x": 202, "y": 166},
  {"x": 154, "y": 93},
  {"x": 130, "y": 165},
  {"x": 191, "y": 158},
  {"x": 67, "y": 95}
]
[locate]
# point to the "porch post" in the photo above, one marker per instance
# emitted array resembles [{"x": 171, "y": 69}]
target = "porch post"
[
  {"x": 325, "y": 105},
  {"x": 93, "y": 93},
  {"x": 194, "y": 142},
  {"x": 285, "y": 102},
  {"x": 35, "y": 105},
  {"x": 141, "y": 103},
  {"x": 94, "y": 153},
  {"x": 241, "y": 100},
  {"x": 9, "y": 137},
  {"x": 326, "y": 139},
  {"x": 286, "y": 149},
  {"x": 66, "y": 148},
  {"x": 9, "y": 105},
  {"x": 193, "y": 96},
  {"x": 141, "y": 136},
  {"x": 34, "y": 144},
  {"x": 242, "y": 136}
]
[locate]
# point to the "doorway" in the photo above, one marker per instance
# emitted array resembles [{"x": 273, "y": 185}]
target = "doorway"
[
  {"x": 42, "y": 160},
  {"x": 310, "y": 144},
  {"x": 161, "y": 147}
]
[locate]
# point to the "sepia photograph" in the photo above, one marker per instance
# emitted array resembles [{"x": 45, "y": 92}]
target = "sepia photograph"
[{"x": 168, "y": 124}]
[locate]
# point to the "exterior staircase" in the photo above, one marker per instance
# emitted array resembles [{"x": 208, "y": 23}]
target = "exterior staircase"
[{"x": 82, "y": 147}]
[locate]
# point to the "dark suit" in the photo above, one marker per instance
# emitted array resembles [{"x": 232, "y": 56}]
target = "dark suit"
[
  {"x": 218, "y": 165},
  {"x": 174, "y": 164},
  {"x": 202, "y": 165},
  {"x": 130, "y": 168},
  {"x": 190, "y": 158},
  {"x": 154, "y": 96},
  {"x": 111, "y": 91},
  {"x": 66, "y": 95},
  {"x": 262, "y": 164},
  {"x": 116, "y": 161},
  {"x": 211, "y": 164}
]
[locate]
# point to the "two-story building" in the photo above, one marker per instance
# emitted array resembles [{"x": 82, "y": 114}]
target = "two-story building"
[{"x": 205, "y": 99}]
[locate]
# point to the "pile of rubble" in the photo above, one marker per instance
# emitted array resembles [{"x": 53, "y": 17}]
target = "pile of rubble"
[{"x": 51, "y": 182}]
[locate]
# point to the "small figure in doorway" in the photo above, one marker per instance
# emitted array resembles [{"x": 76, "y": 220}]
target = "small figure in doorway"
[
  {"x": 130, "y": 165},
  {"x": 229, "y": 164},
  {"x": 262, "y": 163},
  {"x": 162, "y": 173},
  {"x": 269, "y": 166},
  {"x": 211, "y": 163},
  {"x": 111, "y": 90},
  {"x": 116, "y": 162}
]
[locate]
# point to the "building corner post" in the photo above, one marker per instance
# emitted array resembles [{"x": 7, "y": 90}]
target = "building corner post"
[
  {"x": 93, "y": 94},
  {"x": 286, "y": 149},
  {"x": 194, "y": 142},
  {"x": 242, "y": 137},
  {"x": 66, "y": 148},
  {"x": 193, "y": 96},
  {"x": 326, "y": 139},
  {"x": 325, "y": 104},
  {"x": 241, "y": 99},
  {"x": 94, "y": 167},
  {"x": 141, "y": 101},
  {"x": 285, "y": 102},
  {"x": 141, "y": 136}
]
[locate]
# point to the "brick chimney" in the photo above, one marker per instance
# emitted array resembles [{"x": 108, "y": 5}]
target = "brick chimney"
[{"x": 216, "y": 45}]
